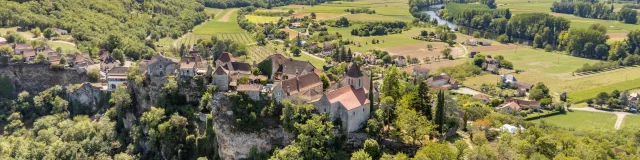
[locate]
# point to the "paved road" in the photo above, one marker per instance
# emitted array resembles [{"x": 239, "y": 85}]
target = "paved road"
[{"x": 620, "y": 115}]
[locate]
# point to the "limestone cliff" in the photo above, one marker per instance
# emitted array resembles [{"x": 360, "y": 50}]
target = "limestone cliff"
[
  {"x": 87, "y": 98},
  {"x": 233, "y": 144},
  {"x": 38, "y": 77}
]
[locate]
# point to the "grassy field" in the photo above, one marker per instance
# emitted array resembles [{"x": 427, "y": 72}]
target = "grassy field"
[
  {"x": 67, "y": 48},
  {"x": 387, "y": 41},
  {"x": 216, "y": 26},
  {"x": 582, "y": 120},
  {"x": 555, "y": 71},
  {"x": 27, "y": 35},
  {"x": 212, "y": 11},
  {"x": 261, "y": 19},
  {"x": 386, "y": 10},
  {"x": 631, "y": 121},
  {"x": 583, "y": 95}
]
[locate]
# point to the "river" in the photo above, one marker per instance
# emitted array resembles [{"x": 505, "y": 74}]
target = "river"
[{"x": 432, "y": 11}]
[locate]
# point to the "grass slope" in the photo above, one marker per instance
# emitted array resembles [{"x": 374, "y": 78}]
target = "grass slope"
[{"x": 582, "y": 120}]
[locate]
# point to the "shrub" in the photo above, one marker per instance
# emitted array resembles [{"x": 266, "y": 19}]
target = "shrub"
[{"x": 94, "y": 75}]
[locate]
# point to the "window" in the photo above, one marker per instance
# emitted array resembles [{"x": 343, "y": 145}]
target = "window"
[
  {"x": 359, "y": 82},
  {"x": 354, "y": 113},
  {"x": 325, "y": 109},
  {"x": 363, "y": 109},
  {"x": 113, "y": 86}
]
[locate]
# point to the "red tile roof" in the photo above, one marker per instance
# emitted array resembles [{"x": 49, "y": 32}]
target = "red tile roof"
[
  {"x": 348, "y": 96},
  {"x": 300, "y": 83},
  {"x": 226, "y": 57}
]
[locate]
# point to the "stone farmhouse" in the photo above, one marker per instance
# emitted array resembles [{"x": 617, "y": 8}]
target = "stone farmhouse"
[
  {"x": 510, "y": 81},
  {"x": 284, "y": 68},
  {"x": 491, "y": 65},
  {"x": 420, "y": 72},
  {"x": 160, "y": 66},
  {"x": 399, "y": 60}
]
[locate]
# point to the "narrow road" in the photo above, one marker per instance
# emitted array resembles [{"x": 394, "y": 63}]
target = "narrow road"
[{"x": 620, "y": 115}]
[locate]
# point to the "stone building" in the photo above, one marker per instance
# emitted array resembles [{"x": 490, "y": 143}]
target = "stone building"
[
  {"x": 253, "y": 90},
  {"x": 307, "y": 87},
  {"x": 348, "y": 104},
  {"x": 115, "y": 77},
  {"x": 284, "y": 68},
  {"x": 221, "y": 78},
  {"x": 160, "y": 66},
  {"x": 442, "y": 81},
  {"x": 191, "y": 66}
]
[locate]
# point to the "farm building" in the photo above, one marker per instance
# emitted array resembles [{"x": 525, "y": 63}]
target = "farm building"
[
  {"x": 484, "y": 42},
  {"x": 60, "y": 31},
  {"x": 471, "y": 42},
  {"x": 442, "y": 81},
  {"x": 399, "y": 60}
]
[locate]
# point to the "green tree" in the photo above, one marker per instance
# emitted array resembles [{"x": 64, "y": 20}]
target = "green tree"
[
  {"x": 113, "y": 42},
  {"x": 119, "y": 55},
  {"x": 47, "y": 33},
  {"x": 6, "y": 50},
  {"x": 483, "y": 152},
  {"x": 461, "y": 147},
  {"x": 325, "y": 82},
  {"x": 440, "y": 115},
  {"x": 36, "y": 31},
  {"x": 59, "y": 105},
  {"x": 40, "y": 57},
  {"x": 295, "y": 113},
  {"x": 94, "y": 75},
  {"x": 424, "y": 100},
  {"x": 391, "y": 83},
  {"x": 361, "y": 155},
  {"x": 413, "y": 125},
  {"x": 296, "y": 51},
  {"x": 317, "y": 139},
  {"x": 433, "y": 150},
  {"x": 539, "y": 91},
  {"x": 371, "y": 147},
  {"x": 6, "y": 87}
]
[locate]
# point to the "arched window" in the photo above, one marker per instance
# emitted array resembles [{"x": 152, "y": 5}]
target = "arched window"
[{"x": 113, "y": 86}]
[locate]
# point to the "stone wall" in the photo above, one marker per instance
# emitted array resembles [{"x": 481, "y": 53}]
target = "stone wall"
[{"x": 35, "y": 78}]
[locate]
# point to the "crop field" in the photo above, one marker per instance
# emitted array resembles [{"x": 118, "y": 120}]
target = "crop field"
[
  {"x": 224, "y": 22},
  {"x": 242, "y": 37},
  {"x": 261, "y": 19},
  {"x": 582, "y": 120},
  {"x": 421, "y": 51},
  {"x": 258, "y": 53}
]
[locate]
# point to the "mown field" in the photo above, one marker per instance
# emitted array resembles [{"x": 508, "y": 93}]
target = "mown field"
[
  {"x": 582, "y": 120},
  {"x": 220, "y": 24},
  {"x": 242, "y": 37},
  {"x": 67, "y": 48},
  {"x": 388, "y": 41}
]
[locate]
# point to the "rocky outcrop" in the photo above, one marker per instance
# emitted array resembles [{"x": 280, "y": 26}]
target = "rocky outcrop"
[
  {"x": 233, "y": 144},
  {"x": 86, "y": 98},
  {"x": 34, "y": 78}
]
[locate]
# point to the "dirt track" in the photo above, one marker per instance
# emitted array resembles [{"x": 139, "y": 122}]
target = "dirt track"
[{"x": 226, "y": 16}]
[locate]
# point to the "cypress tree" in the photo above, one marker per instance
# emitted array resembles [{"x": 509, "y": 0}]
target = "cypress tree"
[
  {"x": 424, "y": 100},
  {"x": 371, "y": 92},
  {"x": 440, "y": 113}
]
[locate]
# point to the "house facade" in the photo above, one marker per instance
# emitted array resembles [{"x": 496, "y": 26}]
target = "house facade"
[
  {"x": 116, "y": 77},
  {"x": 252, "y": 90},
  {"x": 221, "y": 78}
]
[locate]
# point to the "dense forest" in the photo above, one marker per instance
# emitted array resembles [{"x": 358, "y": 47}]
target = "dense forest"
[{"x": 94, "y": 21}]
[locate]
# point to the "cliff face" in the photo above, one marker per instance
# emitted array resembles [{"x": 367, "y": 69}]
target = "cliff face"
[
  {"x": 233, "y": 144},
  {"x": 87, "y": 99},
  {"x": 34, "y": 78}
]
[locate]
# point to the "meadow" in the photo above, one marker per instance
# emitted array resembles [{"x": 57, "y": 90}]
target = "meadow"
[
  {"x": 591, "y": 93},
  {"x": 386, "y": 10},
  {"x": 242, "y": 37},
  {"x": 388, "y": 41},
  {"x": 582, "y": 120},
  {"x": 67, "y": 48}
]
